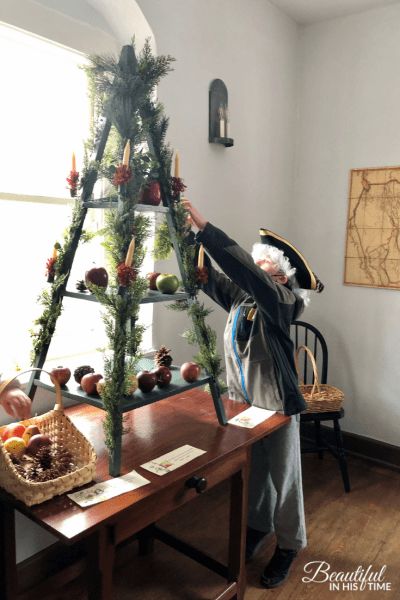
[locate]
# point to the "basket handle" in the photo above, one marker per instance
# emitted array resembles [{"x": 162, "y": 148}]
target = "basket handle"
[
  {"x": 314, "y": 366},
  {"x": 59, "y": 406}
]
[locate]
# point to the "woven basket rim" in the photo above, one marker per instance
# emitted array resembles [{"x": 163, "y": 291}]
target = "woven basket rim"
[
  {"x": 322, "y": 386},
  {"x": 35, "y": 492}
]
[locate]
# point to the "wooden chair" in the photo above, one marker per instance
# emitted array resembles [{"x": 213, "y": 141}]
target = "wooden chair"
[{"x": 306, "y": 334}]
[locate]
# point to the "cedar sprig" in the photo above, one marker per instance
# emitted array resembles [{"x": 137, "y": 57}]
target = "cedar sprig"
[
  {"x": 162, "y": 242},
  {"x": 153, "y": 68},
  {"x": 205, "y": 338}
]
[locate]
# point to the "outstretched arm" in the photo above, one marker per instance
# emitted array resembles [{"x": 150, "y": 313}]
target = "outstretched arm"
[
  {"x": 239, "y": 266},
  {"x": 218, "y": 286}
]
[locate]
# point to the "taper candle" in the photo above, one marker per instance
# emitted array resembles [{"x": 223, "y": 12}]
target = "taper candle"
[
  {"x": 127, "y": 153},
  {"x": 129, "y": 254},
  {"x": 221, "y": 116},
  {"x": 200, "y": 259},
  {"x": 73, "y": 167},
  {"x": 177, "y": 165}
]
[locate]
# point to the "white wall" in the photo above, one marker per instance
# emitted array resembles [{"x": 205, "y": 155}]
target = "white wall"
[
  {"x": 349, "y": 117},
  {"x": 252, "y": 46}
]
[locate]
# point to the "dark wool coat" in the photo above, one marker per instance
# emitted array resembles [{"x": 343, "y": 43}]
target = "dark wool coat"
[{"x": 258, "y": 353}]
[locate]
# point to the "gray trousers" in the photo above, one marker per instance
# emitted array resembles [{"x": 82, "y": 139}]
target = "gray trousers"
[{"x": 275, "y": 488}]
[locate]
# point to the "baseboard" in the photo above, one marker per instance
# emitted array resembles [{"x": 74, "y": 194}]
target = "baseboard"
[{"x": 358, "y": 445}]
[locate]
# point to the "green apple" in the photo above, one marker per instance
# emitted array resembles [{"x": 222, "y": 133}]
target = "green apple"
[{"x": 167, "y": 283}]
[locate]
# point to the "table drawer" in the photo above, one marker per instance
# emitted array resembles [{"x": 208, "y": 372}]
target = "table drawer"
[{"x": 151, "y": 509}]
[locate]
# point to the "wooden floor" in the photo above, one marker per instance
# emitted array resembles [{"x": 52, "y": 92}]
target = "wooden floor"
[{"x": 345, "y": 530}]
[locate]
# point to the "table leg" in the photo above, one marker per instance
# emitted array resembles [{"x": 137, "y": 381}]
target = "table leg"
[
  {"x": 100, "y": 553},
  {"x": 8, "y": 559},
  {"x": 237, "y": 528}
]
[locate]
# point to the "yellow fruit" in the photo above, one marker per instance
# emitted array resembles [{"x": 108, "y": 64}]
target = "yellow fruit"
[
  {"x": 133, "y": 384},
  {"x": 30, "y": 431},
  {"x": 15, "y": 446},
  {"x": 100, "y": 386}
]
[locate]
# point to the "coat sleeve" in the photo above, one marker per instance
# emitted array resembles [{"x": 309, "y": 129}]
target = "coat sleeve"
[
  {"x": 218, "y": 287},
  {"x": 239, "y": 266}
]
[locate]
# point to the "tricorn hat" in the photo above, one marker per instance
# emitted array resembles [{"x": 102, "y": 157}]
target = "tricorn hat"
[{"x": 305, "y": 276}]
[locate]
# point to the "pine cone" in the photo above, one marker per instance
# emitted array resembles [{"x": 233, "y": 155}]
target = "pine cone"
[
  {"x": 44, "y": 458},
  {"x": 64, "y": 459},
  {"x": 80, "y": 286},
  {"x": 32, "y": 473},
  {"x": 81, "y": 371},
  {"x": 20, "y": 469},
  {"x": 51, "y": 473},
  {"x": 162, "y": 357}
]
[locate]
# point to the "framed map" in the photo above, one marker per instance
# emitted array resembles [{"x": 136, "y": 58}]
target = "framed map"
[{"x": 372, "y": 255}]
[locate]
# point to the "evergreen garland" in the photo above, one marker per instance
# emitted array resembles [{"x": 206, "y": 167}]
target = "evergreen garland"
[
  {"x": 162, "y": 242},
  {"x": 122, "y": 91},
  {"x": 51, "y": 298},
  {"x": 203, "y": 336}
]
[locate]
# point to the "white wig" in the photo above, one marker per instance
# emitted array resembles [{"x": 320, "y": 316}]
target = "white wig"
[
  {"x": 278, "y": 258},
  {"x": 275, "y": 255}
]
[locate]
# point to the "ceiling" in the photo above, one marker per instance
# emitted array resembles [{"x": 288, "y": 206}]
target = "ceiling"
[{"x": 312, "y": 11}]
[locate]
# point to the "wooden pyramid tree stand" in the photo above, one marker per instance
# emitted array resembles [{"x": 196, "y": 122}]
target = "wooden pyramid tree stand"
[{"x": 122, "y": 91}]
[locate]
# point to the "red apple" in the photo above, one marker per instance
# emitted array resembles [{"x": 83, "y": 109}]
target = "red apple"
[
  {"x": 97, "y": 276},
  {"x": 146, "y": 381},
  {"x": 151, "y": 278},
  {"x": 163, "y": 375},
  {"x": 89, "y": 381},
  {"x": 60, "y": 374},
  {"x": 13, "y": 430},
  {"x": 37, "y": 442},
  {"x": 190, "y": 371},
  {"x": 151, "y": 194}
]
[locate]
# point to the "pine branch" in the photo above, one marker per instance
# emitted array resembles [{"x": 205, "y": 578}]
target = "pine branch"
[{"x": 162, "y": 242}]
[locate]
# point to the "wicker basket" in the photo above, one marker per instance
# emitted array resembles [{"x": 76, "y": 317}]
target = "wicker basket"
[
  {"x": 319, "y": 397},
  {"x": 62, "y": 432}
]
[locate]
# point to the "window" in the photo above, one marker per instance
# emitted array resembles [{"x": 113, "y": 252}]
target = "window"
[{"x": 45, "y": 117}]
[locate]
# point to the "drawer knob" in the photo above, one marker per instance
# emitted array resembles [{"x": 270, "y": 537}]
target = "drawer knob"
[{"x": 198, "y": 483}]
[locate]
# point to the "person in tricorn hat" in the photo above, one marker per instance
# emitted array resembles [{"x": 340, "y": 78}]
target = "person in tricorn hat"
[{"x": 263, "y": 293}]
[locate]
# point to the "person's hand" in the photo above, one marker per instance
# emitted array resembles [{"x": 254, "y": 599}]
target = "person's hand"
[
  {"x": 16, "y": 403},
  {"x": 194, "y": 218}
]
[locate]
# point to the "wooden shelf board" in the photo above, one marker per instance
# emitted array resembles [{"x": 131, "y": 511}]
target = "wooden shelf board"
[
  {"x": 105, "y": 203},
  {"x": 177, "y": 386},
  {"x": 151, "y": 297}
]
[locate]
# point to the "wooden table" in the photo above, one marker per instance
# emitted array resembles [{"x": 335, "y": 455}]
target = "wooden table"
[{"x": 152, "y": 431}]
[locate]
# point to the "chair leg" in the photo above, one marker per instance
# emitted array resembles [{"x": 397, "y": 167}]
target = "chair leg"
[
  {"x": 341, "y": 455},
  {"x": 318, "y": 439}
]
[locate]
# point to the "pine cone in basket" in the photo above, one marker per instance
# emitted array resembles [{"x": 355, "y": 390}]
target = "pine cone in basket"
[
  {"x": 64, "y": 459},
  {"x": 31, "y": 472},
  {"x": 44, "y": 458},
  {"x": 162, "y": 357},
  {"x": 81, "y": 371}
]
